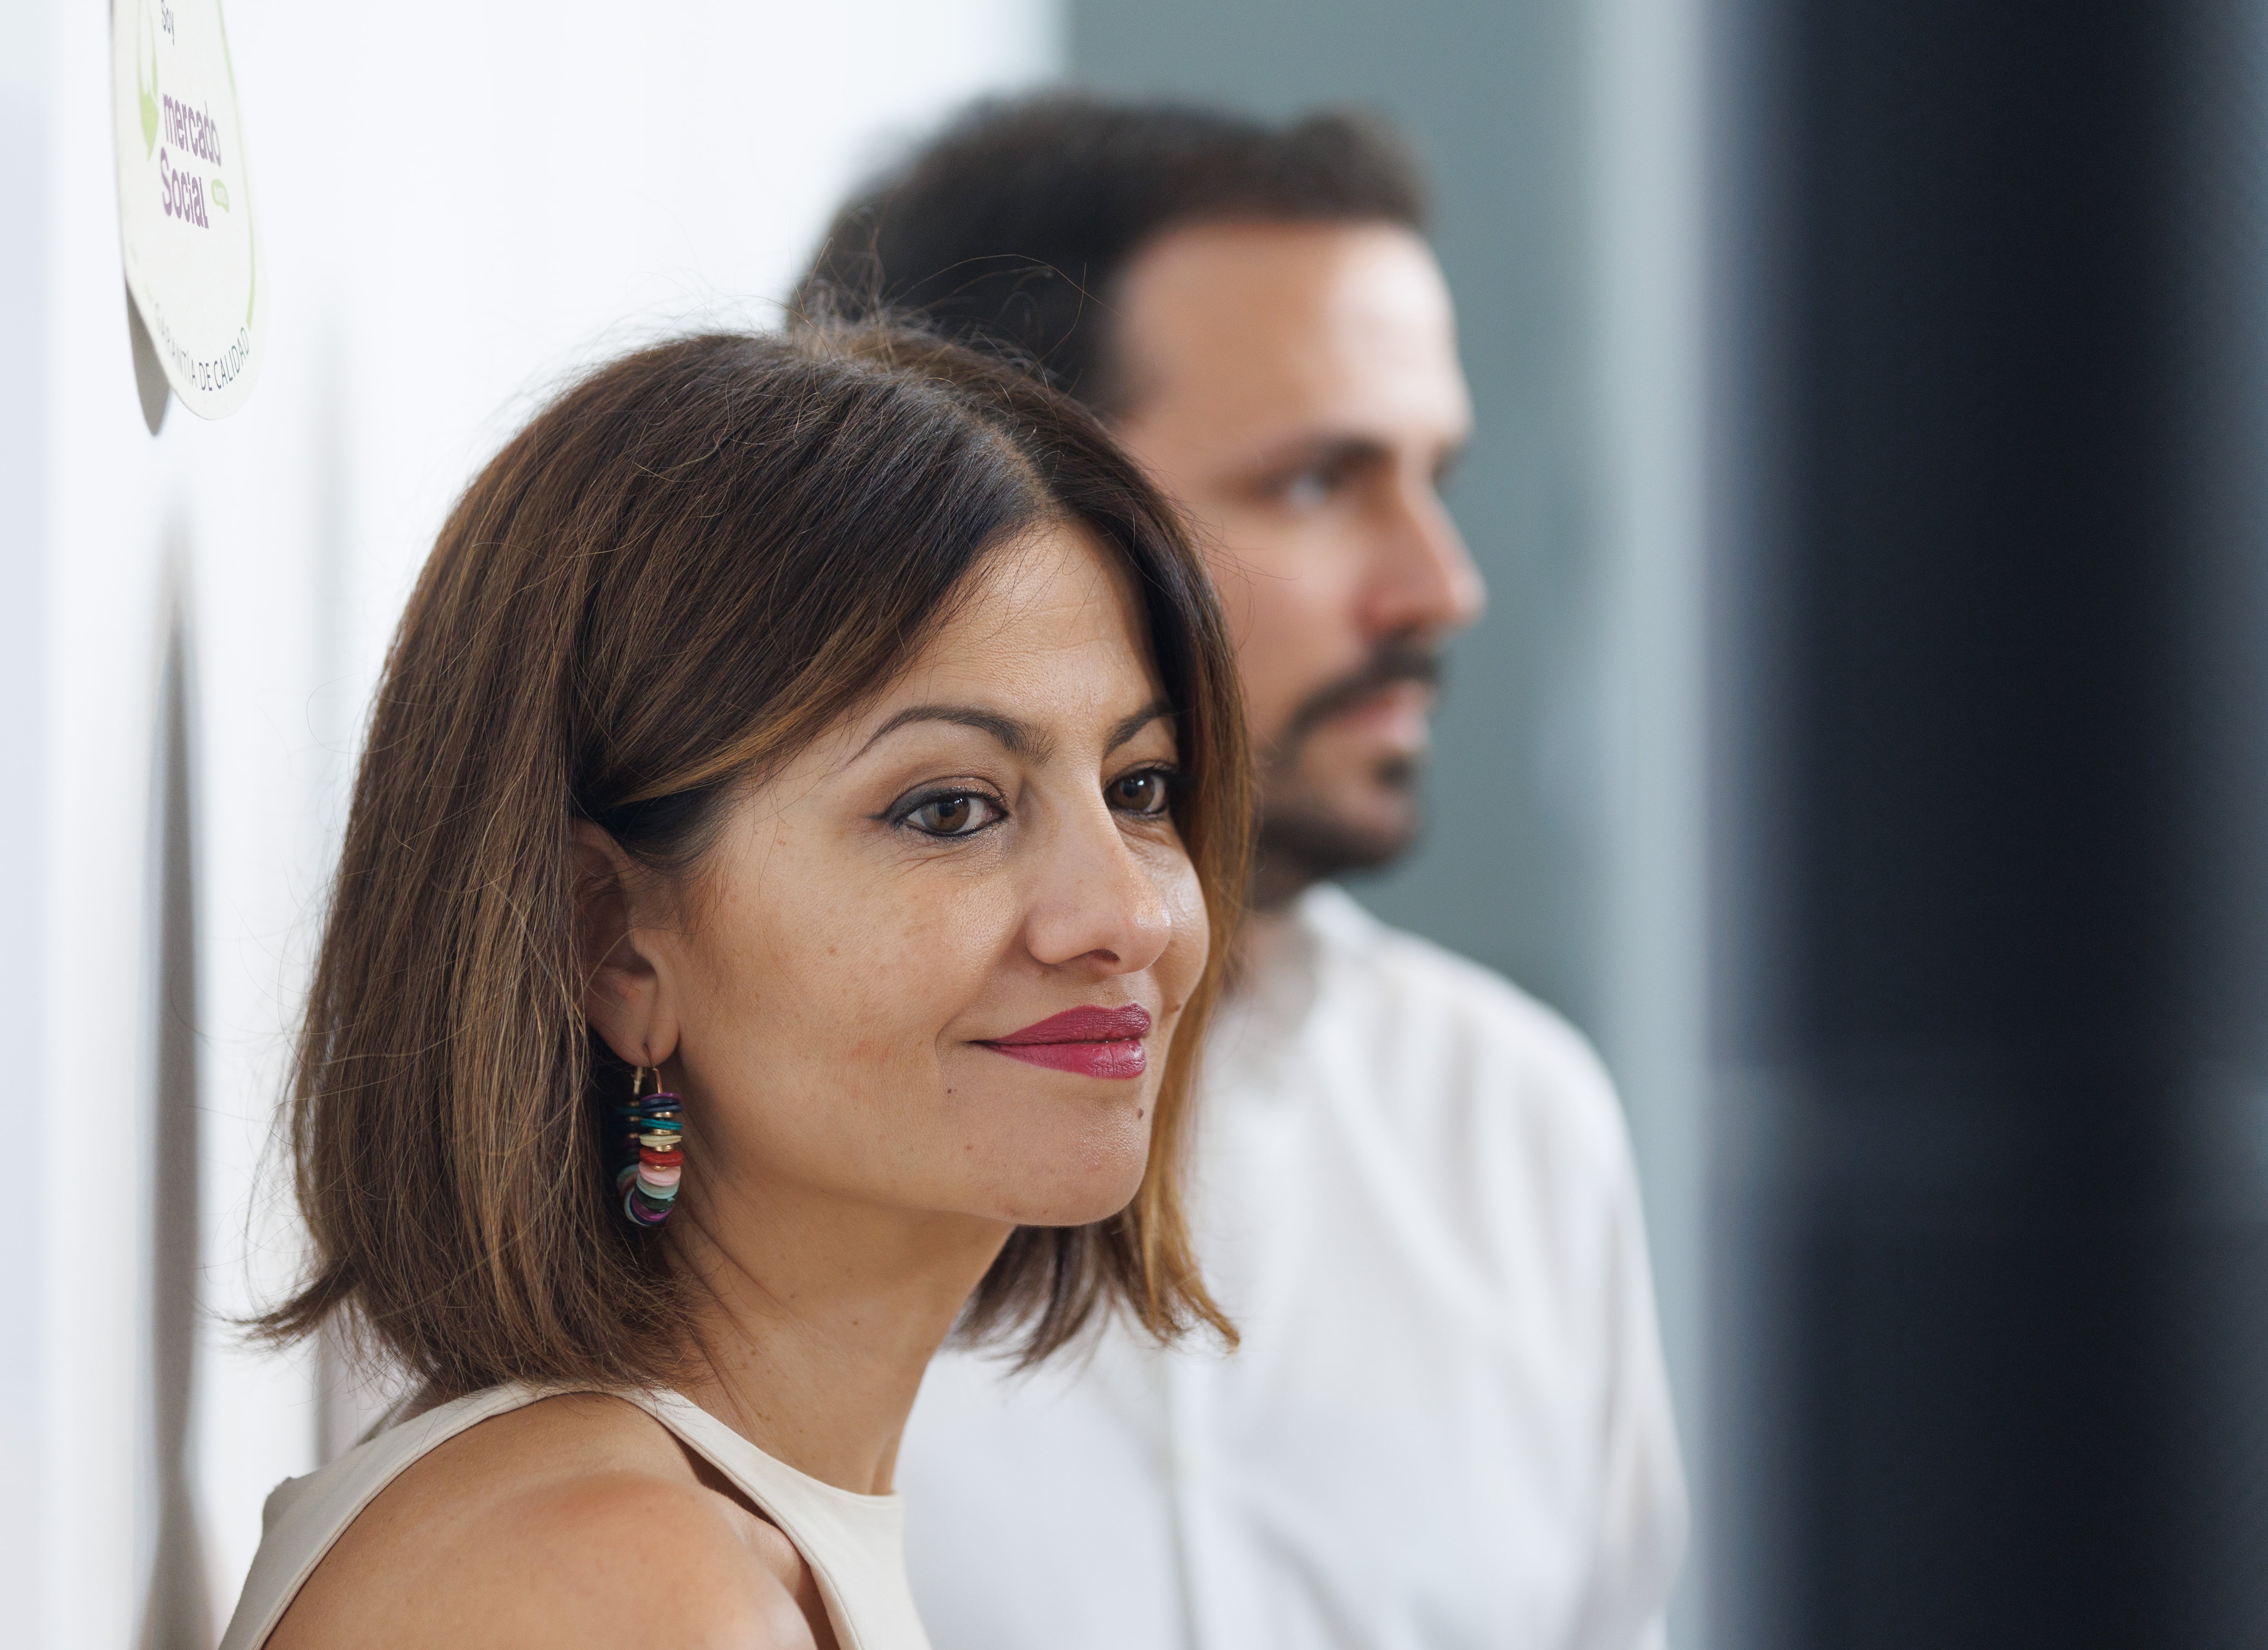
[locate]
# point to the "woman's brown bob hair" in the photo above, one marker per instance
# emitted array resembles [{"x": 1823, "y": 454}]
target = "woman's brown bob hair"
[{"x": 687, "y": 566}]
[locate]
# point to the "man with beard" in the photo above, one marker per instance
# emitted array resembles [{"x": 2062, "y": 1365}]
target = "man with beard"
[{"x": 1447, "y": 1424}]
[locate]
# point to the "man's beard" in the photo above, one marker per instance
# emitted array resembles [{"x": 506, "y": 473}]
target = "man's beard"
[{"x": 1303, "y": 838}]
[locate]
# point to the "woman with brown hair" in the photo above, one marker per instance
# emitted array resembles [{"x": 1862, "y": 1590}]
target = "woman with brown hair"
[{"x": 787, "y": 878}]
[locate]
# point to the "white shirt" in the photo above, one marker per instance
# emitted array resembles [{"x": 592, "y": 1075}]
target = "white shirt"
[{"x": 1447, "y": 1428}]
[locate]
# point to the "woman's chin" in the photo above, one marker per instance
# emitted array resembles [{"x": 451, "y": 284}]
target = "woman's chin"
[{"x": 1079, "y": 1200}]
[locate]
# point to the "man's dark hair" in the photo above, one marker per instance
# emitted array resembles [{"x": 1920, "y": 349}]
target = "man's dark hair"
[{"x": 1009, "y": 229}]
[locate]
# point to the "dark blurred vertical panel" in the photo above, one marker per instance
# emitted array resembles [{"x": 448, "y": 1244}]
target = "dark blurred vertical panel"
[
  {"x": 1493, "y": 91},
  {"x": 1991, "y": 902}
]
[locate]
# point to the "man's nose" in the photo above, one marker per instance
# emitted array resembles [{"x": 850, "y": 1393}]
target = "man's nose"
[{"x": 1424, "y": 581}]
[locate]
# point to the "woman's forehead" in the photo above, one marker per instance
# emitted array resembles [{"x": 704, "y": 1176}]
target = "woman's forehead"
[{"x": 1052, "y": 618}]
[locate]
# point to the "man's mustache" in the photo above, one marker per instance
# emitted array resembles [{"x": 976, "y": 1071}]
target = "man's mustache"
[{"x": 1397, "y": 659}]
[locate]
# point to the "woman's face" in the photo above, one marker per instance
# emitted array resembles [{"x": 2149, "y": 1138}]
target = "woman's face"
[{"x": 935, "y": 964}]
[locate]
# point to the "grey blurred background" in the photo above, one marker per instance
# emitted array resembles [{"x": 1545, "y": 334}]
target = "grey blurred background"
[{"x": 1865, "y": 742}]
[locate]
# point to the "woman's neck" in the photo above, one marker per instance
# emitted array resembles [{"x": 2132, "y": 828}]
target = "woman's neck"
[{"x": 817, "y": 1319}]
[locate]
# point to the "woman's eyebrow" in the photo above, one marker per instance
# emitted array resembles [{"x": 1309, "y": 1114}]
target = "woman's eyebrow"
[
  {"x": 1019, "y": 739},
  {"x": 1129, "y": 727}
]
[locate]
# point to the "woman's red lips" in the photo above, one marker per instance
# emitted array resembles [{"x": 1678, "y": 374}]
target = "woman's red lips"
[{"x": 1090, "y": 1041}]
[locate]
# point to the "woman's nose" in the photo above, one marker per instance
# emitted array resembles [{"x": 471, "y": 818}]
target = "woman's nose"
[{"x": 1094, "y": 903}]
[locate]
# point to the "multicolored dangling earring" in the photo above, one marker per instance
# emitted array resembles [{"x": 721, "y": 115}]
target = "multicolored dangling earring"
[{"x": 653, "y": 1137}]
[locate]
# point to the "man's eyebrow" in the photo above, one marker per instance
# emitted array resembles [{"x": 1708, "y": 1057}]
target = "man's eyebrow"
[
  {"x": 1326, "y": 452},
  {"x": 1016, "y": 737},
  {"x": 1347, "y": 451},
  {"x": 1130, "y": 726}
]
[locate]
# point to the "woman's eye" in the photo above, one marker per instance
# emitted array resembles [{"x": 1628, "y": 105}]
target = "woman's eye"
[
  {"x": 1147, "y": 792},
  {"x": 961, "y": 814}
]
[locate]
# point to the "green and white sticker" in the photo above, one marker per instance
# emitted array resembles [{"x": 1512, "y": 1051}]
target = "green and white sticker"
[{"x": 185, "y": 199}]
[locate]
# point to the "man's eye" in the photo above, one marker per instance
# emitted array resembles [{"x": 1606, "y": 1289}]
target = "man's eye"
[
  {"x": 1148, "y": 792},
  {"x": 960, "y": 814}
]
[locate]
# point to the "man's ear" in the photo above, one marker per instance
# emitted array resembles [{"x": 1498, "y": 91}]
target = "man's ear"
[{"x": 624, "y": 995}]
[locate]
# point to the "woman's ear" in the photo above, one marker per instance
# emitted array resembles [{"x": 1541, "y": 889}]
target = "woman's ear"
[{"x": 624, "y": 995}]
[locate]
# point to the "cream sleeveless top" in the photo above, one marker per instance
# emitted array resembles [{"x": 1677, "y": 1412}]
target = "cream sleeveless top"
[{"x": 852, "y": 1542}]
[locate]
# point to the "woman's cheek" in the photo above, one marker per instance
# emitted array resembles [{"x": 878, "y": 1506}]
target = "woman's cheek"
[
  {"x": 918, "y": 957},
  {"x": 1192, "y": 940}
]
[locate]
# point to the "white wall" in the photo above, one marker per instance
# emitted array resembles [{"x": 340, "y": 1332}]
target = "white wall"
[{"x": 459, "y": 202}]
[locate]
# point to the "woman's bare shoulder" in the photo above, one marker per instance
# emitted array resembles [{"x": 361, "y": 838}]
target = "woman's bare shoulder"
[{"x": 575, "y": 1521}]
